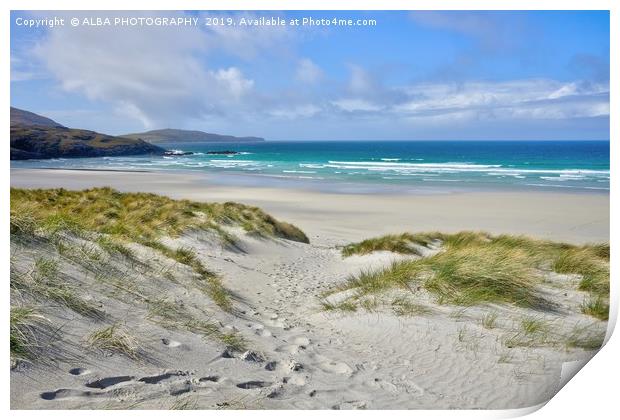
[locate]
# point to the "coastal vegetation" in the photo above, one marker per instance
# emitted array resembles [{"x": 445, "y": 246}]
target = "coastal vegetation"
[
  {"x": 469, "y": 268},
  {"x": 138, "y": 217},
  {"x": 74, "y": 250}
]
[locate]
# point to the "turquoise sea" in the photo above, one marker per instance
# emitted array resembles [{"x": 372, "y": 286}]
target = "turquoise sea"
[{"x": 380, "y": 165}]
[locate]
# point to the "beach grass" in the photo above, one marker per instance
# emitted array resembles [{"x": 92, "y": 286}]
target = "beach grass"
[
  {"x": 597, "y": 307},
  {"x": 402, "y": 244},
  {"x": 134, "y": 216},
  {"x": 115, "y": 339},
  {"x": 585, "y": 337},
  {"x": 476, "y": 267},
  {"x": 24, "y": 323},
  {"x": 116, "y": 219},
  {"x": 405, "y": 307},
  {"x": 489, "y": 321},
  {"x": 44, "y": 283},
  {"x": 175, "y": 315}
]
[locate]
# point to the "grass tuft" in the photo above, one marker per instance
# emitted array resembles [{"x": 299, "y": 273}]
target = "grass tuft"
[
  {"x": 587, "y": 337},
  {"x": 489, "y": 321},
  {"x": 44, "y": 283},
  {"x": 404, "y": 307},
  {"x": 24, "y": 323},
  {"x": 115, "y": 339},
  {"x": 597, "y": 307},
  {"x": 476, "y": 267}
]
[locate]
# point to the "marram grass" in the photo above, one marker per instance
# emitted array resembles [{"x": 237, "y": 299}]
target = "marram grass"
[
  {"x": 476, "y": 267},
  {"x": 134, "y": 216},
  {"x": 116, "y": 218}
]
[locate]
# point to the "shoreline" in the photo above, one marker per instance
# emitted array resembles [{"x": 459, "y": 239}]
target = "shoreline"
[
  {"x": 335, "y": 218},
  {"x": 332, "y": 186}
]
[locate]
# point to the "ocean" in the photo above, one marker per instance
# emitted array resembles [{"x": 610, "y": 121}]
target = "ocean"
[{"x": 379, "y": 165}]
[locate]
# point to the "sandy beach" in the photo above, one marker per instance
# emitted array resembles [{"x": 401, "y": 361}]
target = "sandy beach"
[
  {"x": 396, "y": 350},
  {"x": 339, "y": 218}
]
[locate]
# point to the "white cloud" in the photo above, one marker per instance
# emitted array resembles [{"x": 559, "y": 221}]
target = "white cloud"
[
  {"x": 355, "y": 104},
  {"x": 308, "y": 71},
  {"x": 361, "y": 82},
  {"x": 301, "y": 111},
  {"x": 535, "y": 99},
  {"x": 163, "y": 77},
  {"x": 234, "y": 82},
  {"x": 157, "y": 75}
]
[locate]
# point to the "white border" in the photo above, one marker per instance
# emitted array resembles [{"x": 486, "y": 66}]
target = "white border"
[{"x": 593, "y": 394}]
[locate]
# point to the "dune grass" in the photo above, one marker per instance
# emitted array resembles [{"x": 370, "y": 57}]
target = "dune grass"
[
  {"x": 531, "y": 332},
  {"x": 597, "y": 307},
  {"x": 134, "y": 216},
  {"x": 489, "y": 321},
  {"x": 405, "y": 307},
  {"x": 43, "y": 282},
  {"x": 208, "y": 282},
  {"x": 117, "y": 218},
  {"x": 115, "y": 339},
  {"x": 173, "y": 315},
  {"x": 476, "y": 267},
  {"x": 402, "y": 244},
  {"x": 585, "y": 337},
  {"x": 24, "y": 323}
]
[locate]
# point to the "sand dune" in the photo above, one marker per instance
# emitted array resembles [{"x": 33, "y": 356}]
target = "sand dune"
[
  {"x": 278, "y": 347},
  {"x": 297, "y": 355}
]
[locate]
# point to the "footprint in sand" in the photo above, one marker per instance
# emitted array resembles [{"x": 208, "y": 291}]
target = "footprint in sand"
[
  {"x": 263, "y": 333},
  {"x": 155, "y": 379},
  {"x": 78, "y": 371},
  {"x": 173, "y": 344},
  {"x": 108, "y": 382},
  {"x": 295, "y": 380},
  {"x": 290, "y": 366},
  {"x": 341, "y": 368},
  {"x": 180, "y": 388},
  {"x": 384, "y": 385},
  {"x": 254, "y": 384},
  {"x": 279, "y": 323},
  {"x": 210, "y": 378},
  {"x": 351, "y": 405},
  {"x": 60, "y": 394},
  {"x": 259, "y": 329}
]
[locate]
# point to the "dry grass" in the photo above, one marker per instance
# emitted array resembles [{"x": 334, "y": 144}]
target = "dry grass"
[
  {"x": 597, "y": 307},
  {"x": 116, "y": 218},
  {"x": 25, "y": 321},
  {"x": 476, "y": 267},
  {"x": 174, "y": 315},
  {"x": 115, "y": 339},
  {"x": 587, "y": 337},
  {"x": 489, "y": 321},
  {"x": 531, "y": 332},
  {"x": 402, "y": 244},
  {"x": 134, "y": 216},
  {"x": 44, "y": 283},
  {"x": 405, "y": 307}
]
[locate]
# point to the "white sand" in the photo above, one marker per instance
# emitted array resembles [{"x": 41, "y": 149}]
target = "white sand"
[
  {"x": 313, "y": 358},
  {"x": 340, "y": 218}
]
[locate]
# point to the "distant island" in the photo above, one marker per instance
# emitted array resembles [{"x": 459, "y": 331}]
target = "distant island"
[
  {"x": 170, "y": 135},
  {"x": 37, "y": 137},
  {"x": 34, "y": 136}
]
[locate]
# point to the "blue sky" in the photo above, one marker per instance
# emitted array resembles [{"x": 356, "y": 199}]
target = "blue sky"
[{"x": 415, "y": 75}]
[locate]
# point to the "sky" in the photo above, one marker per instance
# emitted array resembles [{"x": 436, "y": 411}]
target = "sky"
[{"x": 423, "y": 75}]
